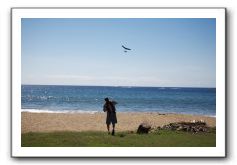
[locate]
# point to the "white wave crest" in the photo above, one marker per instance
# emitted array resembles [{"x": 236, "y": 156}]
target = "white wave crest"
[{"x": 58, "y": 111}]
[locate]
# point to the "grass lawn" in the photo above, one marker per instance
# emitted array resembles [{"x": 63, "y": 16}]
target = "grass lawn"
[{"x": 163, "y": 138}]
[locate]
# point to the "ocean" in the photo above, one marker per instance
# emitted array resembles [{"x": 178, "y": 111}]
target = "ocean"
[{"x": 90, "y": 99}]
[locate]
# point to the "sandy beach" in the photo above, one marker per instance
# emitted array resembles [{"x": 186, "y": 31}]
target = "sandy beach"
[{"x": 49, "y": 122}]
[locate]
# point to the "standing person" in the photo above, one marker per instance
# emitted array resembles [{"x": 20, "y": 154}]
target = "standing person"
[{"x": 109, "y": 107}]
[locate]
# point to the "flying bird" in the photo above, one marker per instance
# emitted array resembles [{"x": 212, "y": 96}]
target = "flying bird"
[{"x": 126, "y": 49}]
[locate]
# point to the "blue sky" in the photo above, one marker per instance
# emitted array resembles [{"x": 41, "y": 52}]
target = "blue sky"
[{"x": 165, "y": 52}]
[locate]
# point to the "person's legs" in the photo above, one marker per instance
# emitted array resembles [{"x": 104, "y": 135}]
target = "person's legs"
[
  {"x": 108, "y": 128},
  {"x": 113, "y": 129}
]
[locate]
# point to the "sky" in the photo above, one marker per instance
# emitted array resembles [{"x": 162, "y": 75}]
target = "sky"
[{"x": 165, "y": 52}]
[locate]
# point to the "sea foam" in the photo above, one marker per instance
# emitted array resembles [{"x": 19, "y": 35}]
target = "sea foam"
[{"x": 58, "y": 111}]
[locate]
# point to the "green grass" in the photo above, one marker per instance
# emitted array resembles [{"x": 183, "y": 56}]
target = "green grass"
[{"x": 162, "y": 138}]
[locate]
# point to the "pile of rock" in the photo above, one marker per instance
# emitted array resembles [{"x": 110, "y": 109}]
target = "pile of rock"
[{"x": 194, "y": 126}]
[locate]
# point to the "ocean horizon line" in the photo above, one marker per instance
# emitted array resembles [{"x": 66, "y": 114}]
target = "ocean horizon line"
[{"x": 119, "y": 86}]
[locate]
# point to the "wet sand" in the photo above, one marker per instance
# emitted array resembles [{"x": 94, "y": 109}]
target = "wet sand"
[{"x": 49, "y": 122}]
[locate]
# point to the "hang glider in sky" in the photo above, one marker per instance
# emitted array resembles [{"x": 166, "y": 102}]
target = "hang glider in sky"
[{"x": 125, "y": 48}]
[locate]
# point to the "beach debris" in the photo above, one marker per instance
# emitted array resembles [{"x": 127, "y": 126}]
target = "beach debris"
[
  {"x": 193, "y": 126},
  {"x": 144, "y": 128},
  {"x": 161, "y": 114}
]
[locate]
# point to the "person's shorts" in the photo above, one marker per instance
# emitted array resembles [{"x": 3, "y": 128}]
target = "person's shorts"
[{"x": 111, "y": 118}]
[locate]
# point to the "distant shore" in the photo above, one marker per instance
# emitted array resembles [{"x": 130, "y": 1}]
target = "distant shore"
[{"x": 127, "y": 121}]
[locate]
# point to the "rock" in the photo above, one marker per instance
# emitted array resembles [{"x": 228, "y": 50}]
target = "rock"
[
  {"x": 158, "y": 128},
  {"x": 144, "y": 128},
  {"x": 131, "y": 132}
]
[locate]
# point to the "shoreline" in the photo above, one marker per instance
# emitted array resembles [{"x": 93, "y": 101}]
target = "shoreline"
[
  {"x": 99, "y": 112},
  {"x": 127, "y": 121}
]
